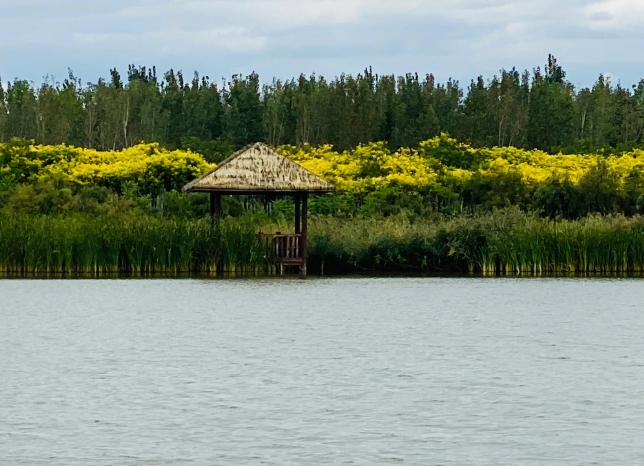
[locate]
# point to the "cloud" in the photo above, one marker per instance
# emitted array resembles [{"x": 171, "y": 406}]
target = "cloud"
[
  {"x": 265, "y": 15},
  {"x": 458, "y": 38},
  {"x": 290, "y": 14},
  {"x": 615, "y": 14},
  {"x": 175, "y": 41}
]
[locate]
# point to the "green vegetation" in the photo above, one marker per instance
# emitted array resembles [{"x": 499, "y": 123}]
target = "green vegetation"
[
  {"x": 440, "y": 207},
  {"x": 127, "y": 243},
  {"x": 505, "y": 242},
  {"x": 439, "y": 176},
  {"x": 528, "y": 110},
  {"x": 540, "y": 177}
]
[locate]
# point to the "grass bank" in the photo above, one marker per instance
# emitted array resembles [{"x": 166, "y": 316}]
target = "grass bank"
[{"x": 505, "y": 242}]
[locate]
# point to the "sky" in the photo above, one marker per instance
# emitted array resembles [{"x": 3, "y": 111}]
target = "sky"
[{"x": 459, "y": 39}]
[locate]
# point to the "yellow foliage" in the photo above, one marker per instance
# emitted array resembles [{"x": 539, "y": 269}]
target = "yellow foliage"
[
  {"x": 442, "y": 161},
  {"x": 147, "y": 165},
  {"x": 365, "y": 169},
  {"x": 440, "y": 165}
]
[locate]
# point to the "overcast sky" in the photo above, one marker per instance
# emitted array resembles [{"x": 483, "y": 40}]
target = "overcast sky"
[{"x": 283, "y": 38}]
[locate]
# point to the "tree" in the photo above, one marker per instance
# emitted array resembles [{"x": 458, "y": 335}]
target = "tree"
[
  {"x": 21, "y": 107},
  {"x": 3, "y": 113},
  {"x": 478, "y": 113},
  {"x": 551, "y": 109},
  {"x": 244, "y": 111},
  {"x": 527, "y": 110}
]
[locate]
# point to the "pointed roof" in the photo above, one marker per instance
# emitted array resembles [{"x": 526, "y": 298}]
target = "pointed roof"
[{"x": 258, "y": 168}]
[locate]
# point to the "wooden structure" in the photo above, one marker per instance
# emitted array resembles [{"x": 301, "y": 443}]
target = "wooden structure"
[{"x": 258, "y": 170}]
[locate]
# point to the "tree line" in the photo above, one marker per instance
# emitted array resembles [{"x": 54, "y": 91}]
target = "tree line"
[{"x": 532, "y": 110}]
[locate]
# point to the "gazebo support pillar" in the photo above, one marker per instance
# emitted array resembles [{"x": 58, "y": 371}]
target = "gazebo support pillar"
[
  {"x": 298, "y": 214},
  {"x": 215, "y": 207},
  {"x": 215, "y": 215},
  {"x": 305, "y": 231}
]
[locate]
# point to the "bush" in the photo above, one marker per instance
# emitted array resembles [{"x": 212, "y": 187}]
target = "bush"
[{"x": 152, "y": 168}]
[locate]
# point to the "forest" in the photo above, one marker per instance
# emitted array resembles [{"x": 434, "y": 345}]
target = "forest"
[
  {"x": 521, "y": 173},
  {"x": 538, "y": 109}
]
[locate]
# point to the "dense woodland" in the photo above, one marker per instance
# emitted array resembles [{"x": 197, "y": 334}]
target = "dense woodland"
[
  {"x": 531, "y": 110},
  {"x": 518, "y": 173}
]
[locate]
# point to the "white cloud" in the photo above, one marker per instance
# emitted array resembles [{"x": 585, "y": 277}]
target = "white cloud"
[
  {"x": 615, "y": 14},
  {"x": 277, "y": 14},
  {"x": 175, "y": 41},
  {"x": 460, "y": 38},
  {"x": 260, "y": 14},
  {"x": 234, "y": 39}
]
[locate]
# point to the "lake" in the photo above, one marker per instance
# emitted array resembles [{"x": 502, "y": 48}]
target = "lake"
[{"x": 427, "y": 371}]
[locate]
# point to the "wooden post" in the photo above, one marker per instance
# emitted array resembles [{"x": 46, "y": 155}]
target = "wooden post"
[
  {"x": 298, "y": 214},
  {"x": 215, "y": 214},
  {"x": 305, "y": 231},
  {"x": 215, "y": 206}
]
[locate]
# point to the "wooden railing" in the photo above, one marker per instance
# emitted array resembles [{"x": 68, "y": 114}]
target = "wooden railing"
[{"x": 286, "y": 248}]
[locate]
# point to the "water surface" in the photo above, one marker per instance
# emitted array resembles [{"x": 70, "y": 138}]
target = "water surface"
[{"x": 335, "y": 371}]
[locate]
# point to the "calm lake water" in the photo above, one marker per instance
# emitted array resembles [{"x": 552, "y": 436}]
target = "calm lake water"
[{"x": 334, "y": 371}]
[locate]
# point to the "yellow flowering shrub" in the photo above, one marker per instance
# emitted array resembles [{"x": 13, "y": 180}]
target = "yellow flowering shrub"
[
  {"x": 21, "y": 160},
  {"x": 441, "y": 169},
  {"x": 365, "y": 169},
  {"x": 372, "y": 167},
  {"x": 495, "y": 176},
  {"x": 149, "y": 166}
]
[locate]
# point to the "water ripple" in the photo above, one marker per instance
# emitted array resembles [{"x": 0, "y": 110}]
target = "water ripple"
[{"x": 334, "y": 371}]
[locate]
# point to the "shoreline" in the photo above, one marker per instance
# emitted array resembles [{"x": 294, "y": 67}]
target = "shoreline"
[{"x": 294, "y": 276}]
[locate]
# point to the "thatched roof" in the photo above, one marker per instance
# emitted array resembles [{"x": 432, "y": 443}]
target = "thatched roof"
[{"x": 258, "y": 168}]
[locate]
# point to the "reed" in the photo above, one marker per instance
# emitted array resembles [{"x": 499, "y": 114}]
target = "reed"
[
  {"x": 127, "y": 244},
  {"x": 505, "y": 242}
]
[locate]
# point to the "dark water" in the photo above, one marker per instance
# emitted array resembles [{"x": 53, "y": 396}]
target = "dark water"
[{"x": 355, "y": 371}]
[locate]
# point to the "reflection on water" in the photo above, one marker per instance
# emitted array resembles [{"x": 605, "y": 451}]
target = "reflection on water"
[{"x": 323, "y": 371}]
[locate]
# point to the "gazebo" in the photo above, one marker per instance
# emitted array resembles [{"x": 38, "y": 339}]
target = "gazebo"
[{"x": 258, "y": 170}]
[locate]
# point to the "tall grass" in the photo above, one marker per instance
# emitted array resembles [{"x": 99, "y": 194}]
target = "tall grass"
[
  {"x": 506, "y": 242},
  {"x": 128, "y": 244}
]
